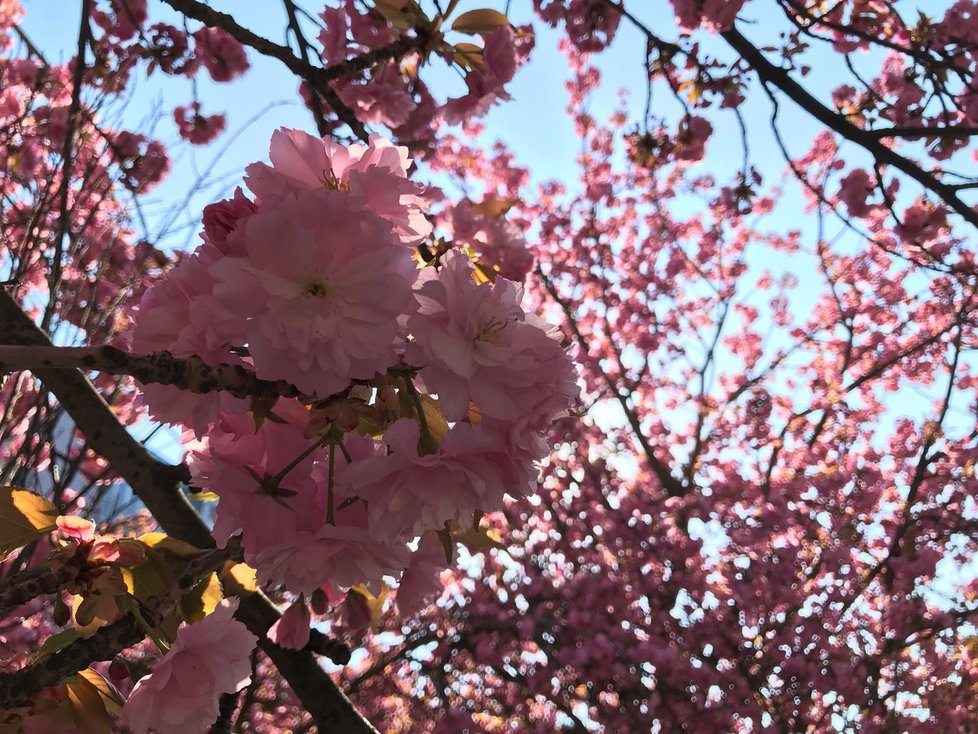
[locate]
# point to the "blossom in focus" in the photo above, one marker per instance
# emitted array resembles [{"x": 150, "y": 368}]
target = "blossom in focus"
[
  {"x": 471, "y": 469},
  {"x": 475, "y": 343},
  {"x": 237, "y": 462},
  {"x": 342, "y": 554},
  {"x": 209, "y": 658},
  {"x": 222, "y": 223},
  {"x": 321, "y": 284},
  {"x": 499, "y": 243},
  {"x": 373, "y": 177}
]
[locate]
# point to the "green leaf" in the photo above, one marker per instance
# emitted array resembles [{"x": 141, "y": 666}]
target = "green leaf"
[
  {"x": 239, "y": 579},
  {"x": 437, "y": 425},
  {"x": 57, "y": 641},
  {"x": 375, "y": 604},
  {"x": 478, "y": 539},
  {"x": 470, "y": 57},
  {"x": 24, "y": 517},
  {"x": 401, "y": 13},
  {"x": 111, "y": 697},
  {"x": 445, "y": 536},
  {"x": 484, "y": 20},
  {"x": 163, "y": 542},
  {"x": 87, "y": 706},
  {"x": 87, "y": 610},
  {"x": 202, "y": 599}
]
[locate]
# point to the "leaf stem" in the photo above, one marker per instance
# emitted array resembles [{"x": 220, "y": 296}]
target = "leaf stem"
[
  {"x": 330, "y": 520},
  {"x": 427, "y": 440}
]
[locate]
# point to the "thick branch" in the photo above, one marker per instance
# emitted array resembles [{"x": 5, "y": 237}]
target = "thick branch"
[
  {"x": 924, "y": 132},
  {"x": 20, "y": 588},
  {"x": 157, "y": 485},
  {"x": 162, "y": 368}
]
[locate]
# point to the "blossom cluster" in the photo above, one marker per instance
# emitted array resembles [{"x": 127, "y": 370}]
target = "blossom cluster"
[
  {"x": 393, "y": 94},
  {"x": 424, "y": 391}
]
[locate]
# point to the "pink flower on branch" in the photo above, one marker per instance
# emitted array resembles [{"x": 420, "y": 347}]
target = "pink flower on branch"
[
  {"x": 321, "y": 285},
  {"x": 291, "y": 631},
  {"x": 373, "y": 177},
  {"x": 195, "y": 128},
  {"x": 476, "y": 344},
  {"x": 472, "y": 469},
  {"x": 209, "y": 658}
]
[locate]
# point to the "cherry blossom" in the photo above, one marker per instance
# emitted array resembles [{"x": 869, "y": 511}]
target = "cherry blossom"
[
  {"x": 477, "y": 344},
  {"x": 208, "y": 658}
]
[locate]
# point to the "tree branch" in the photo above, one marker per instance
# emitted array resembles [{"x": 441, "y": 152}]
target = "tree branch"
[
  {"x": 157, "y": 485},
  {"x": 317, "y": 77},
  {"x": 672, "y": 486},
  {"x": 74, "y": 108},
  {"x": 923, "y": 132},
  {"x": 161, "y": 368},
  {"x": 780, "y": 78}
]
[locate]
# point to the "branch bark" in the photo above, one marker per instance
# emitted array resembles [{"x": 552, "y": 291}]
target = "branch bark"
[
  {"x": 770, "y": 73},
  {"x": 161, "y": 368},
  {"x": 157, "y": 485}
]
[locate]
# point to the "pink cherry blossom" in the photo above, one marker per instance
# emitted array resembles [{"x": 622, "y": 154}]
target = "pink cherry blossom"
[
  {"x": 124, "y": 20},
  {"x": 330, "y": 286},
  {"x": 208, "y": 658},
  {"x": 196, "y": 128},
  {"x": 477, "y": 344},
  {"x": 291, "y": 630},
  {"x": 421, "y": 583},
  {"x": 373, "y": 177},
  {"x": 714, "y": 15},
  {"x": 382, "y": 101},
  {"x": 408, "y": 492},
  {"x": 854, "y": 189},
  {"x": 499, "y": 243},
  {"x": 238, "y": 461},
  {"x": 342, "y": 555},
  {"x": 220, "y": 53},
  {"x": 222, "y": 223}
]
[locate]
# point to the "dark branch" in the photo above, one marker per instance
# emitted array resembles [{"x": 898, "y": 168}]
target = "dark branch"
[
  {"x": 771, "y": 74},
  {"x": 157, "y": 485},
  {"x": 161, "y": 368}
]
